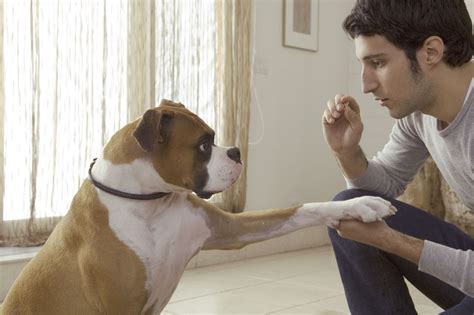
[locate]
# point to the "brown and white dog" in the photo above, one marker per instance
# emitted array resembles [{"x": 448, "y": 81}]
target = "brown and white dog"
[{"x": 114, "y": 253}]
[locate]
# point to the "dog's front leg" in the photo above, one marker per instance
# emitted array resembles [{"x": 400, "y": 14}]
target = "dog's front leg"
[{"x": 233, "y": 231}]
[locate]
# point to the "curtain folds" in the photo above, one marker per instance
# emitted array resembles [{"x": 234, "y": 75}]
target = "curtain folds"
[
  {"x": 64, "y": 95},
  {"x": 140, "y": 56},
  {"x": 76, "y": 71},
  {"x": 233, "y": 87}
]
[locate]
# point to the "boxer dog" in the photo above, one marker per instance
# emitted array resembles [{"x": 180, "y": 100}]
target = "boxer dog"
[{"x": 135, "y": 223}]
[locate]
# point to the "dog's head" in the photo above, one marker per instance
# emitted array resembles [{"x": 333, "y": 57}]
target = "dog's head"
[{"x": 182, "y": 149}]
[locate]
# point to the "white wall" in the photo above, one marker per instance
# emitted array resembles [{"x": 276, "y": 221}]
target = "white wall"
[
  {"x": 292, "y": 164},
  {"x": 470, "y": 7}
]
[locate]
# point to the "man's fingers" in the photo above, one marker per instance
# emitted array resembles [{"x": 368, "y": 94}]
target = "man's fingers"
[
  {"x": 350, "y": 102},
  {"x": 342, "y": 106},
  {"x": 327, "y": 117},
  {"x": 332, "y": 107},
  {"x": 354, "y": 119},
  {"x": 333, "y": 112},
  {"x": 339, "y": 98}
]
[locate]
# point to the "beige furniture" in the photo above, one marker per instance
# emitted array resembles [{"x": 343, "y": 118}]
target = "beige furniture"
[{"x": 429, "y": 191}]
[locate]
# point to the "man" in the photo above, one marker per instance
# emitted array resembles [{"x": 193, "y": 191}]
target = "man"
[{"x": 416, "y": 61}]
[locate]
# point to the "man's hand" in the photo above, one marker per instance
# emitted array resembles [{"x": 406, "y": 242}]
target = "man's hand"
[
  {"x": 380, "y": 235},
  {"x": 342, "y": 125},
  {"x": 342, "y": 128},
  {"x": 374, "y": 233}
]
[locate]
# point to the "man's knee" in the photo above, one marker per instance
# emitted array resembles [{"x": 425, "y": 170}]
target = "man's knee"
[
  {"x": 332, "y": 232},
  {"x": 333, "y": 235}
]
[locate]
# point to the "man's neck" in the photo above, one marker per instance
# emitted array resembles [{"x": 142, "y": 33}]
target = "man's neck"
[{"x": 451, "y": 86}]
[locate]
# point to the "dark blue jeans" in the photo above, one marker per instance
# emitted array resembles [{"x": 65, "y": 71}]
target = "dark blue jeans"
[{"x": 374, "y": 280}]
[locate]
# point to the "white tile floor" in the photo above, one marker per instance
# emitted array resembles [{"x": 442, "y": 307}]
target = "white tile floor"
[{"x": 300, "y": 282}]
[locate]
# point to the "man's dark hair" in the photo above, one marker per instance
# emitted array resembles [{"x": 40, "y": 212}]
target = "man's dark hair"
[{"x": 408, "y": 23}]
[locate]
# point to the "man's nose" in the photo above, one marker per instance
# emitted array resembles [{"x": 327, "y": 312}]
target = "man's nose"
[{"x": 368, "y": 80}]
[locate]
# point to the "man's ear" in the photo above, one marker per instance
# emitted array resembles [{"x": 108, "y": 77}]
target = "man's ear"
[
  {"x": 154, "y": 128},
  {"x": 432, "y": 50}
]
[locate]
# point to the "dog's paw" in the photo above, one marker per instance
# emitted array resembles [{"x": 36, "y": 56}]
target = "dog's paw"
[{"x": 369, "y": 209}]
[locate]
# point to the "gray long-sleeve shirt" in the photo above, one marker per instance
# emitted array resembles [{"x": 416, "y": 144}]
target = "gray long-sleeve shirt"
[{"x": 412, "y": 140}]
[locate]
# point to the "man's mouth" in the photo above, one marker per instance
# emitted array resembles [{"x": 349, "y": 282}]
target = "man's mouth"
[{"x": 381, "y": 101}]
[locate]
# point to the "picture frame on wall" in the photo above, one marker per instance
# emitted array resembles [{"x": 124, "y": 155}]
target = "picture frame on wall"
[{"x": 301, "y": 19}]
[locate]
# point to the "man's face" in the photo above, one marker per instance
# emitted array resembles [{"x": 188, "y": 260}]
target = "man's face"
[{"x": 386, "y": 73}]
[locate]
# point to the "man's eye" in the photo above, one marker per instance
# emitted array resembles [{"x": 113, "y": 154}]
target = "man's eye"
[{"x": 377, "y": 63}]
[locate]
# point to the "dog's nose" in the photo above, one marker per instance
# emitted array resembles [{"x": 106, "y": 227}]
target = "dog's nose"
[{"x": 234, "y": 155}]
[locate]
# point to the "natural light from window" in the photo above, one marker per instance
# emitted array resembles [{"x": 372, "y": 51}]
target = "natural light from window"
[{"x": 66, "y": 90}]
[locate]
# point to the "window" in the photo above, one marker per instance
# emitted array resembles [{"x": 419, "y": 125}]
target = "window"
[{"x": 67, "y": 72}]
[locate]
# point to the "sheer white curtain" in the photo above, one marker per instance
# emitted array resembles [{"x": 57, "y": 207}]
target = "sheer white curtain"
[
  {"x": 65, "y": 93},
  {"x": 185, "y": 55},
  {"x": 72, "y": 72}
]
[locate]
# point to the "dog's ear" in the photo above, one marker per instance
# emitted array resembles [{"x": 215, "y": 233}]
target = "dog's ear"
[
  {"x": 165, "y": 102},
  {"x": 154, "y": 128}
]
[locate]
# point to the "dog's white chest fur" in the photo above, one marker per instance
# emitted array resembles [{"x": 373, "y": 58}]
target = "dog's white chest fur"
[{"x": 165, "y": 234}]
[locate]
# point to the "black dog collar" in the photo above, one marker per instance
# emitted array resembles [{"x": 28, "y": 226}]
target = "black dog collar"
[{"x": 122, "y": 194}]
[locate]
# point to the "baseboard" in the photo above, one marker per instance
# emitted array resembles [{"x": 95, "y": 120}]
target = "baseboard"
[
  {"x": 302, "y": 239},
  {"x": 10, "y": 267},
  {"x": 12, "y": 264}
]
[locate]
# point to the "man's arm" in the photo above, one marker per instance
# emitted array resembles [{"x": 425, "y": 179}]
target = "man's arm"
[
  {"x": 353, "y": 164},
  {"x": 380, "y": 235},
  {"x": 453, "y": 266},
  {"x": 389, "y": 172},
  {"x": 392, "y": 169}
]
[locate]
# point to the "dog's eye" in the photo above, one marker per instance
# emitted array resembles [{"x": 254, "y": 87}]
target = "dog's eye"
[{"x": 204, "y": 147}]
